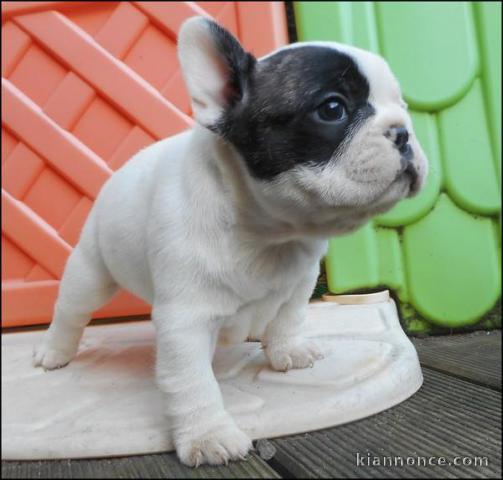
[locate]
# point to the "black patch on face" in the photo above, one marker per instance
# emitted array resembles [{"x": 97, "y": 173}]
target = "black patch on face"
[{"x": 274, "y": 123}]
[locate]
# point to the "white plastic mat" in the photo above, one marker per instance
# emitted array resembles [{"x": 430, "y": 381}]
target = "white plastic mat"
[{"x": 105, "y": 403}]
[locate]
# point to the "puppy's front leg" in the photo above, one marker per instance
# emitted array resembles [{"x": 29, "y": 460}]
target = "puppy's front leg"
[
  {"x": 284, "y": 342},
  {"x": 203, "y": 432}
]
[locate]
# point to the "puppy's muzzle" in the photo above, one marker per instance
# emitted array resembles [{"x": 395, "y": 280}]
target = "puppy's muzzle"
[
  {"x": 411, "y": 172},
  {"x": 400, "y": 137}
]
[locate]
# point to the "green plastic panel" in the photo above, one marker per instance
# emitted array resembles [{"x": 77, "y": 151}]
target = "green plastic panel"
[
  {"x": 391, "y": 265},
  {"x": 441, "y": 251},
  {"x": 415, "y": 38},
  {"x": 488, "y": 16},
  {"x": 352, "y": 260},
  {"x": 470, "y": 175},
  {"x": 351, "y": 21}
]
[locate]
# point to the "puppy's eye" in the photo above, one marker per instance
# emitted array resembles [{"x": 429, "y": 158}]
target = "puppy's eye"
[{"x": 332, "y": 110}]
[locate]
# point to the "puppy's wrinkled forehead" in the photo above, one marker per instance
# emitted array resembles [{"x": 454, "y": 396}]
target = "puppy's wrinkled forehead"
[
  {"x": 293, "y": 78},
  {"x": 317, "y": 64}
]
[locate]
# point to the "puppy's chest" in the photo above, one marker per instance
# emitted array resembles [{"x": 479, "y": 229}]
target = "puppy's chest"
[
  {"x": 255, "y": 275},
  {"x": 260, "y": 287}
]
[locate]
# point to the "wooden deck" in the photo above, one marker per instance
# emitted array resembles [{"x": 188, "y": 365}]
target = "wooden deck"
[{"x": 456, "y": 415}]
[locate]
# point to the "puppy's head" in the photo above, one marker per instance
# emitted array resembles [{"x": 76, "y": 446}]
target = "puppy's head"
[{"x": 319, "y": 125}]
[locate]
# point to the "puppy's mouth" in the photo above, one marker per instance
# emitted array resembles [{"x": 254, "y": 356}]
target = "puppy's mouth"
[{"x": 408, "y": 170}]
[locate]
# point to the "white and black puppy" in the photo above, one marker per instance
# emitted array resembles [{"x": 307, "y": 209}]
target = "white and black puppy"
[{"x": 222, "y": 227}]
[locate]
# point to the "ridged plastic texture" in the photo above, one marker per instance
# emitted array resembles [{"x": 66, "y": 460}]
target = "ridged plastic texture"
[
  {"x": 105, "y": 402},
  {"x": 440, "y": 252},
  {"x": 85, "y": 85}
]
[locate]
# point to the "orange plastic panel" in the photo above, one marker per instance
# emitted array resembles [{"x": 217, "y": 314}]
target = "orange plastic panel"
[{"x": 85, "y": 85}]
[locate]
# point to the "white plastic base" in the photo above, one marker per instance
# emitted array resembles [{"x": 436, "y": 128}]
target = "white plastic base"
[{"x": 105, "y": 403}]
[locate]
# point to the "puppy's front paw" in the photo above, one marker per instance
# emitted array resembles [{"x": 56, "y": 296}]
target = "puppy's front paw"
[
  {"x": 50, "y": 358},
  {"x": 292, "y": 353},
  {"x": 216, "y": 447}
]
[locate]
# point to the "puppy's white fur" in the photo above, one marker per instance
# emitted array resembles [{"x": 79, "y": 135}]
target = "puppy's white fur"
[{"x": 187, "y": 229}]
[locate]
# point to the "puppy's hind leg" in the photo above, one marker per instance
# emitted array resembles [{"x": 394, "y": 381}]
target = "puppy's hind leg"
[{"x": 85, "y": 287}]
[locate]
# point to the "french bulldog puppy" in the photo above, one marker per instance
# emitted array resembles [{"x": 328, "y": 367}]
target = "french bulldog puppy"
[{"x": 222, "y": 228}]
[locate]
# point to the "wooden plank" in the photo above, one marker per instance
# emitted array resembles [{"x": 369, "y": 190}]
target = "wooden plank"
[
  {"x": 122, "y": 86},
  {"x": 163, "y": 465},
  {"x": 448, "y": 418},
  {"x": 475, "y": 357},
  {"x": 70, "y": 157}
]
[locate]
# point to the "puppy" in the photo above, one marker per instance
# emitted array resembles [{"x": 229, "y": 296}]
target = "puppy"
[{"x": 222, "y": 228}]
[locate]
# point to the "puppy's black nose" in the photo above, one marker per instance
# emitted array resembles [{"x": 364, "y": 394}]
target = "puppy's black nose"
[{"x": 399, "y": 135}]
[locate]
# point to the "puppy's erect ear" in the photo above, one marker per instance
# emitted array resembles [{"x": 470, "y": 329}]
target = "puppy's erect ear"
[{"x": 215, "y": 67}]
